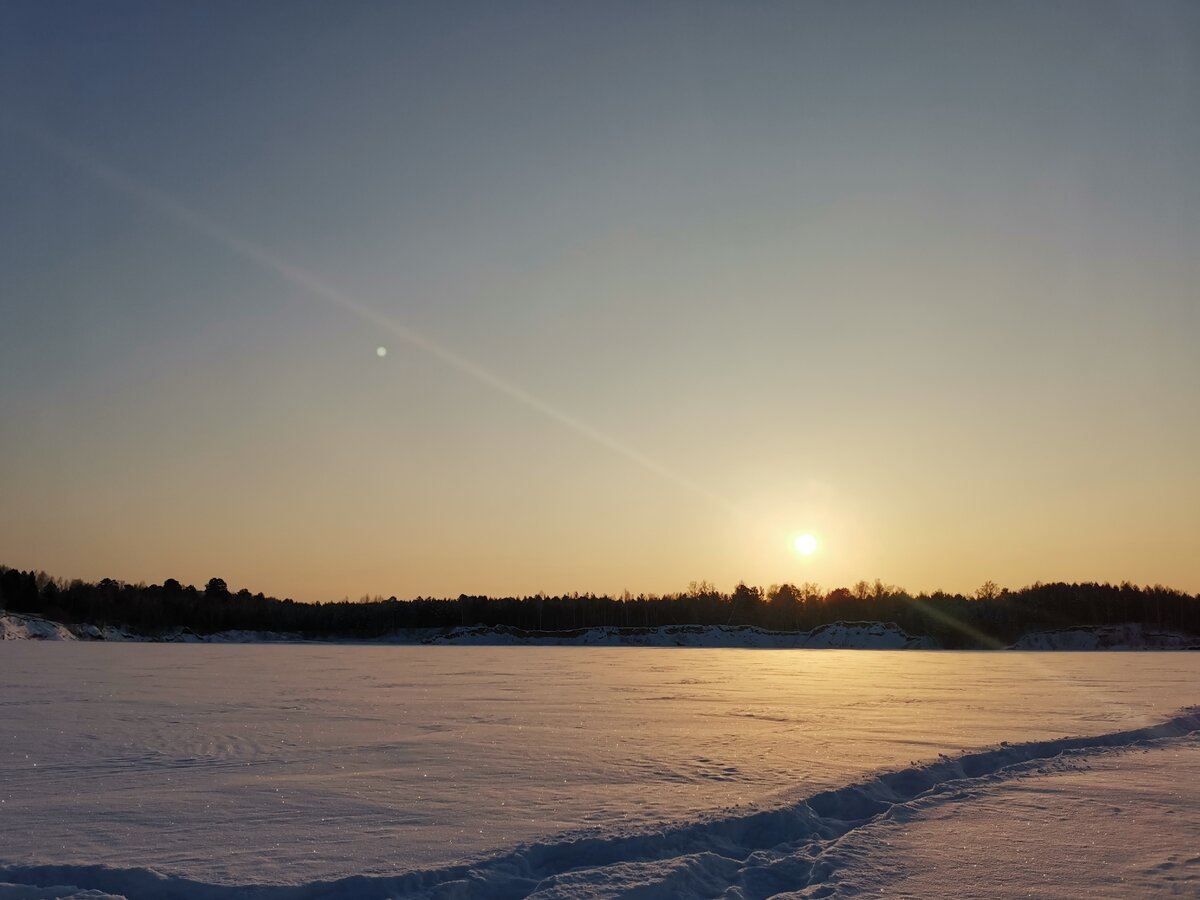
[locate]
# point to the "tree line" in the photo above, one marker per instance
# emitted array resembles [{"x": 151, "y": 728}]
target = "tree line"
[{"x": 991, "y": 616}]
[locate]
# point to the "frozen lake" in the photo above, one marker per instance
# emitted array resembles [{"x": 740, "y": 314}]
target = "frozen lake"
[{"x": 291, "y": 764}]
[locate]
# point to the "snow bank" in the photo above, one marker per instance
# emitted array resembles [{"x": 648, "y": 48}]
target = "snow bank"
[
  {"x": 26, "y": 627},
  {"x": 103, "y": 633},
  {"x": 242, "y": 637},
  {"x": 53, "y": 892},
  {"x": 837, "y": 635},
  {"x": 1130, "y": 636},
  {"x": 755, "y": 853},
  {"x": 20, "y": 627}
]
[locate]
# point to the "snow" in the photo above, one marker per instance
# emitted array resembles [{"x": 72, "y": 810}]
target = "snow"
[
  {"x": 22, "y": 626},
  {"x": 306, "y": 770},
  {"x": 1115, "y": 824},
  {"x": 1131, "y": 636},
  {"x": 17, "y": 627},
  {"x": 837, "y": 635},
  {"x": 53, "y": 892}
]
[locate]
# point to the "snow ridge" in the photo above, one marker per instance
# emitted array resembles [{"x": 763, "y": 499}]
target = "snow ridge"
[
  {"x": 1129, "y": 636},
  {"x": 18, "y": 627},
  {"x": 751, "y": 855},
  {"x": 835, "y": 635},
  {"x": 27, "y": 627}
]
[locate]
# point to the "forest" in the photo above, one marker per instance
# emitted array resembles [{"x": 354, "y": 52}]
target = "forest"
[{"x": 991, "y": 616}]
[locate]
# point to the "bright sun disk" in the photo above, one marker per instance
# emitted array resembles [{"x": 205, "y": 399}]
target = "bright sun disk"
[{"x": 805, "y": 544}]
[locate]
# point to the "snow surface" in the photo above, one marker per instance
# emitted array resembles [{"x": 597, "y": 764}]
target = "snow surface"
[
  {"x": 1118, "y": 824},
  {"x": 1033, "y": 819},
  {"x": 303, "y": 771}
]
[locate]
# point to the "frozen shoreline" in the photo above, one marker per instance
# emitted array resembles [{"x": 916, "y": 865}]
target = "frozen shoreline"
[{"x": 835, "y": 635}]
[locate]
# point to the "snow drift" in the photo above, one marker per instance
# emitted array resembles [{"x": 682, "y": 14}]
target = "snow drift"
[{"x": 755, "y": 854}]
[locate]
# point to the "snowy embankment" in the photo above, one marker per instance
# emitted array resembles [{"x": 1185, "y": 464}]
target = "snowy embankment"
[
  {"x": 810, "y": 847},
  {"x": 18, "y": 627},
  {"x": 1130, "y": 636},
  {"x": 22, "y": 627},
  {"x": 834, "y": 636},
  {"x": 837, "y": 635}
]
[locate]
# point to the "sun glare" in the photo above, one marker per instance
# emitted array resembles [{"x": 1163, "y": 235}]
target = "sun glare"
[{"x": 805, "y": 544}]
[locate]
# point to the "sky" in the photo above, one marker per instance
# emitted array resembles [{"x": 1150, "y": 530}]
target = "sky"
[{"x": 344, "y": 299}]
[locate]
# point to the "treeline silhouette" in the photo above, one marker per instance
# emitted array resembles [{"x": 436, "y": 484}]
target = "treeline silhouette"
[{"x": 992, "y": 616}]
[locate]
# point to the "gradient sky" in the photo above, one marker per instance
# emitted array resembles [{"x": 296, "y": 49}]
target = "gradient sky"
[{"x": 662, "y": 285}]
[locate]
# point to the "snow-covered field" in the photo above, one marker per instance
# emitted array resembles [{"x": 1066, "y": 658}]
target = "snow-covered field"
[
  {"x": 1106, "y": 824},
  {"x": 289, "y": 771}
]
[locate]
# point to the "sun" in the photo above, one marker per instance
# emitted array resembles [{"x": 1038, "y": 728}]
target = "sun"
[{"x": 805, "y": 544}]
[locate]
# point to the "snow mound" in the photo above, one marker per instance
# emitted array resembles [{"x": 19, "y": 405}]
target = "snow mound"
[
  {"x": 102, "y": 633},
  {"x": 26, "y": 627},
  {"x": 755, "y": 853},
  {"x": 867, "y": 636},
  {"x": 240, "y": 637},
  {"x": 837, "y": 635},
  {"x": 54, "y": 892},
  {"x": 20, "y": 627},
  {"x": 1130, "y": 636}
]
